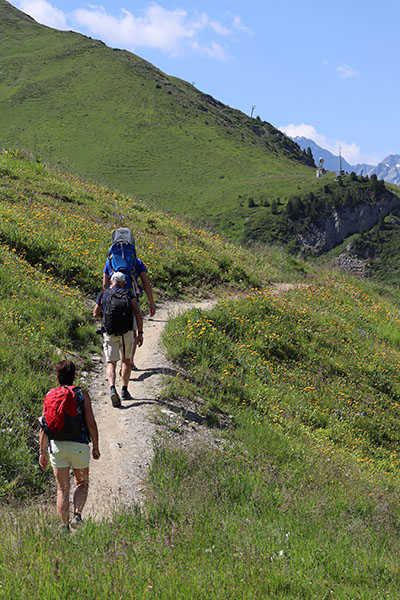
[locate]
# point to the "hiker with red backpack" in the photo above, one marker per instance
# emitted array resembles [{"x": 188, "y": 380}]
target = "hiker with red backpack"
[
  {"x": 118, "y": 305},
  {"x": 67, "y": 427},
  {"x": 122, "y": 257}
]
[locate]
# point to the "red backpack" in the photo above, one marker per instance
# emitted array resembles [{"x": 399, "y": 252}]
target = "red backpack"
[{"x": 60, "y": 420}]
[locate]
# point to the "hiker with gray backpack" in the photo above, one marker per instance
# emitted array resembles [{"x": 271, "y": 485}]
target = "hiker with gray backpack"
[
  {"x": 122, "y": 257},
  {"x": 117, "y": 306}
]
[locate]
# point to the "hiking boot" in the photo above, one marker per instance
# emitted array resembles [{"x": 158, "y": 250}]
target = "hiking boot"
[
  {"x": 125, "y": 395},
  {"x": 76, "y": 521},
  {"x": 134, "y": 367},
  {"x": 115, "y": 400}
]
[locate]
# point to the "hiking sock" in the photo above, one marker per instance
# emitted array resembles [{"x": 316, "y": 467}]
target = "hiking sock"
[{"x": 124, "y": 388}]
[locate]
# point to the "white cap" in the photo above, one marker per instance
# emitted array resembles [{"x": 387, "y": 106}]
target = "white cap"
[{"x": 118, "y": 276}]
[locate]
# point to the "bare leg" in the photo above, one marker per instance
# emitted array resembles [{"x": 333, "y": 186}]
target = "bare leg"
[
  {"x": 134, "y": 346},
  {"x": 81, "y": 488},
  {"x": 62, "y": 479},
  {"x": 110, "y": 372},
  {"x": 126, "y": 371}
]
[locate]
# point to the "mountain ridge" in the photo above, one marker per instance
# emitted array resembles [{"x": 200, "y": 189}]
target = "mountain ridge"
[{"x": 387, "y": 169}]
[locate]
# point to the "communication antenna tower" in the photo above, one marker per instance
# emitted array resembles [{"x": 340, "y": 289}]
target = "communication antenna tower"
[
  {"x": 252, "y": 110},
  {"x": 341, "y": 172}
]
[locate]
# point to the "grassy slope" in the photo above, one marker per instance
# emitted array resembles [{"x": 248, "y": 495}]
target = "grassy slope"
[
  {"x": 302, "y": 500},
  {"x": 323, "y": 358},
  {"x": 55, "y": 231},
  {"x": 65, "y": 224},
  {"x": 110, "y": 115}
]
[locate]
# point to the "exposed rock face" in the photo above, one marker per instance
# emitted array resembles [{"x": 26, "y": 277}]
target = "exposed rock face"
[
  {"x": 356, "y": 266},
  {"x": 347, "y": 221}
]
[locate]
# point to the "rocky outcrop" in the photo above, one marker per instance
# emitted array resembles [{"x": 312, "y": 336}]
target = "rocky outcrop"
[
  {"x": 355, "y": 266},
  {"x": 350, "y": 220}
]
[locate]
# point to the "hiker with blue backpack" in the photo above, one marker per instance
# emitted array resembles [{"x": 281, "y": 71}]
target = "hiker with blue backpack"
[
  {"x": 122, "y": 257},
  {"x": 67, "y": 426},
  {"x": 117, "y": 306}
]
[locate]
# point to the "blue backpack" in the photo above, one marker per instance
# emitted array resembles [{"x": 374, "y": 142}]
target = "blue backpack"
[{"x": 122, "y": 253}]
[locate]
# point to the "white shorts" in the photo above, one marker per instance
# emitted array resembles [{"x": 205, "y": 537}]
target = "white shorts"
[
  {"x": 69, "y": 454},
  {"x": 117, "y": 346}
]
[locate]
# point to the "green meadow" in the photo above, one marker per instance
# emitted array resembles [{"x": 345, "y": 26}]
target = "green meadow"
[{"x": 299, "y": 383}]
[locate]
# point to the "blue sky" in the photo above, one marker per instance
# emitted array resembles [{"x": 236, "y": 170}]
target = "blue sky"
[{"x": 329, "y": 71}]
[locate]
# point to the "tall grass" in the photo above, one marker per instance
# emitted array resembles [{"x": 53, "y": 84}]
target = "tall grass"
[
  {"x": 266, "y": 516},
  {"x": 320, "y": 356}
]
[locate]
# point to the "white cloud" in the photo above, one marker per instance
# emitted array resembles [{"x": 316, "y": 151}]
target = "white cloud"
[
  {"x": 43, "y": 12},
  {"x": 237, "y": 25},
  {"x": 159, "y": 28},
  {"x": 351, "y": 152},
  {"x": 346, "y": 71},
  {"x": 212, "y": 50},
  {"x": 204, "y": 21},
  {"x": 171, "y": 31}
]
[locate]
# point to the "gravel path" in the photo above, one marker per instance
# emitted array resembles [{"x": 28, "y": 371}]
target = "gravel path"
[{"x": 126, "y": 434}]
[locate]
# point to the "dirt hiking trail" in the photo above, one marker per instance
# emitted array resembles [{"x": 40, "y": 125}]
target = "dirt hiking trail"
[{"x": 126, "y": 434}]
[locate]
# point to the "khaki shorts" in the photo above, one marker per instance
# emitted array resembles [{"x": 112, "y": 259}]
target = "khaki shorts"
[
  {"x": 114, "y": 345},
  {"x": 69, "y": 454}
]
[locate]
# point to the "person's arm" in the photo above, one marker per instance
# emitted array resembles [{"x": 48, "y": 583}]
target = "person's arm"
[
  {"x": 91, "y": 424},
  {"x": 43, "y": 452},
  {"x": 149, "y": 292},
  {"x": 97, "y": 311},
  {"x": 107, "y": 272},
  {"x": 106, "y": 281},
  {"x": 139, "y": 320}
]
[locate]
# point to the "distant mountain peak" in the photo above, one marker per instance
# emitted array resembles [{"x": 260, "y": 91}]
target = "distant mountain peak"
[
  {"x": 331, "y": 162},
  {"x": 388, "y": 169}
]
